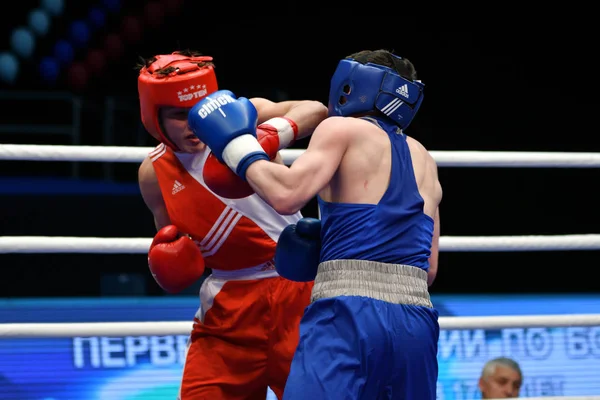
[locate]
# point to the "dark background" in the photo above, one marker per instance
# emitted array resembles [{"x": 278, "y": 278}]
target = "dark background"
[{"x": 505, "y": 90}]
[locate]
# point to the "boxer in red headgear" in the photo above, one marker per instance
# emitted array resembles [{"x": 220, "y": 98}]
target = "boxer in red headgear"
[{"x": 246, "y": 329}]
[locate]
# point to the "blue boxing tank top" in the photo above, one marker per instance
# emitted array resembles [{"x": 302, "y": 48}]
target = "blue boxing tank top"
[{"x": 395, "y": 231}]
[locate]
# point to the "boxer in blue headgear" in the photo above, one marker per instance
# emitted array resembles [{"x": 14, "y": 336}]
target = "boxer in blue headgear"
[
  {"x": 370, "y": 331},
  {"x": 358, "y": 88}
]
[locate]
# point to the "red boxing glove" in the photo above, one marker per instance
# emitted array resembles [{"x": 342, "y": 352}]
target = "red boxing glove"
[
  {"x": 273, "y": 135},
  {"x": 174, "y": 260},
  {"x": 276, "y": 134}
]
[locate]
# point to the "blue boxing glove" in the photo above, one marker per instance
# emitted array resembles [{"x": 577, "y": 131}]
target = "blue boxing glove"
[
  {"x": 227, "y": 125},
  {"x": 298, "y": 251}
]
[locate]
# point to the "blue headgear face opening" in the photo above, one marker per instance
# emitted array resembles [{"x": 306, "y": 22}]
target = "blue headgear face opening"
[{"x": 360, "y": 88}]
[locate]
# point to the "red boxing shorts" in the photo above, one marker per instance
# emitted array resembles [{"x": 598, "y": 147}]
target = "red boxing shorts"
[{"x": 245, "y": 335}]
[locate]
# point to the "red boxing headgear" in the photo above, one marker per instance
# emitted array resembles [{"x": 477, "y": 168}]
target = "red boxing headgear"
[{"x": 184, "y": 87}]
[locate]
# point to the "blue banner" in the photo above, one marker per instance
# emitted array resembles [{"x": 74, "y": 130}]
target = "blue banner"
[{"x": 555, "y": 361}]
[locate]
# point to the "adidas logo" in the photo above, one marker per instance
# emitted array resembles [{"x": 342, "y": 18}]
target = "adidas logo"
[
  {"x": 268, "y": 266},
  {"x": 177, "y": 187},
  {"x": 403, "y": 90}
]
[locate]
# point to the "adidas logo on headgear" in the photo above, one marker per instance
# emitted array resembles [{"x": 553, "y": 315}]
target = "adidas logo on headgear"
[{"x": 403, "y": 90}]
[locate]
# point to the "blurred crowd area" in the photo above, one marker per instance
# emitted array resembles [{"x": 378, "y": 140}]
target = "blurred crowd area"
[{"x": 68, "y": 77}]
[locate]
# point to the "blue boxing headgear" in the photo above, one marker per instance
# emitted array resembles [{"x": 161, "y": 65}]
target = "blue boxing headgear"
[{"x": 359, "y": 88}]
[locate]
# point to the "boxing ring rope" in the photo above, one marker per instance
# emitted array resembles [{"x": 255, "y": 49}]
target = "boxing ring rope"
[
  {"x": 91, "y": 245},
  {"x": 123, "y": 154},
  {"x": 163, "y": 328},
  {"x": 98, "y": 245},
  {"x": 45, "y": 244},
  {"x": 554, "y": 398}
]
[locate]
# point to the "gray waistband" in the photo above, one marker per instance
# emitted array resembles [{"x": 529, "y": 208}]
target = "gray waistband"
[{"x": 394, "y": 283}]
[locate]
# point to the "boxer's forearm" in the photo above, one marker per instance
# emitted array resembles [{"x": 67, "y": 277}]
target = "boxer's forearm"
[
  {"x": 307, "y": 115},
  {"x": 287, "y": 190},
  {"x": 277, "y": 185}
]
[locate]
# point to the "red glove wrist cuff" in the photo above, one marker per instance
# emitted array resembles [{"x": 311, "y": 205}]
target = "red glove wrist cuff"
[{"x": 287, "y": 130}]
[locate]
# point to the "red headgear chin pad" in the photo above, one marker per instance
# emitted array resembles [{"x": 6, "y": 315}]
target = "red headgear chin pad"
[{"x": 189, "y": 82}]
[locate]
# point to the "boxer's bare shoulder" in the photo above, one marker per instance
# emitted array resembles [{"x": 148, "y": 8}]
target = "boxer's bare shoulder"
[
  {"x": 147, "y": 178},
  {"x": 426, "y": 172},
  {"x": 150, "y": 190},
  {"x": 417, "y": 150}
]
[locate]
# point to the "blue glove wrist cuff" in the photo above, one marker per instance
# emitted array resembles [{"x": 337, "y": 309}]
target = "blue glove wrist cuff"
[{"x": 249, "y": 160}]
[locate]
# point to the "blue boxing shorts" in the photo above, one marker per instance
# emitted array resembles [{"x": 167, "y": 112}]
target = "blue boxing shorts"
[{"x": 366, "y": 339}]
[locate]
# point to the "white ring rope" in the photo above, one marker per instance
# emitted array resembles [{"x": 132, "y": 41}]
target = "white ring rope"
[
  {"x": 97, "y": 245},
  {"x": 45, "y": 244},
  {"x": 443, "y": 158},
  {"x": 554, "y": 398},
  {"x": 42, "y": 244},
  {"x": 162, "y": 328}
]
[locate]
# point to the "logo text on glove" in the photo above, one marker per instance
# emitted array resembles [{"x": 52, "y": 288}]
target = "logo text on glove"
[{"x": 212, "y": 104}]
